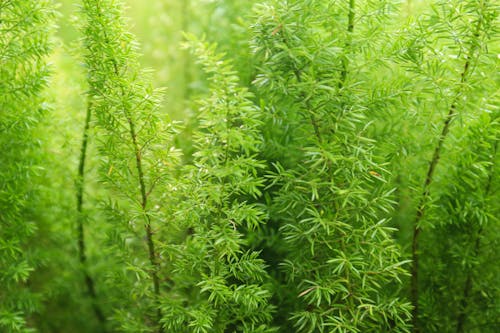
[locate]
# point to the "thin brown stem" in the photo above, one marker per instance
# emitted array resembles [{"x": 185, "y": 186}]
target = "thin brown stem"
[
  {"x": 309, "y": 108},
  {"x": 89, "y": 282},
  {"x": 147, "y": 218},
  {"x": 143, "y": 193},
  {"x": 345, "y": 58},
  {"x": 312, "y": 117},
  {"x": 144, "y": 202},
  {"x": 452, "y": 112},
  {"x": 462, "y": 316}
]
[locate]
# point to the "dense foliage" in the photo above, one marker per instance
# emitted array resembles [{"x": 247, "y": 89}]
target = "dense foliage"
[
  {"x": 312, "y": 166},
  {"x": 24, "y": 46}
]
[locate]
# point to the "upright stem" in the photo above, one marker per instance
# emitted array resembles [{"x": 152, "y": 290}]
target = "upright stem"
[
  {"x": 343, "y": 73},
  {"x": 80, "y": 218},
  {"x": 143, "y": 192},
  {"x": 345, "y": 59},
  {"x": 452, "y": 112},
  {"x": 147, "y": 218},
  {"x": 462, "y": 316},
  {"x": 350, "y": 29},
  {"x": 342, "y": 81},
  {"x": 312, "y": 118}
]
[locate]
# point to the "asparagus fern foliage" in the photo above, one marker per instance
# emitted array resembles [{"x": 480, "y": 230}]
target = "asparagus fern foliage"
[
  {"x": 219, "y": 283},
  {"x": 136, "y": 157},
  {"x": 25, "y": 28},
  {"x": 342, "y": 267},
  {"x": 463, "y": 29}
]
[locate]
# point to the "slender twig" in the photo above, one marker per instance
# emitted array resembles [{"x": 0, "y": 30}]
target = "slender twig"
[
  {"x": 312, "y": 117},
  {"x": 143, "y": 192},
  {"x": 147, "y": 218},
  {"x": 80, "y": 218},
  {"x": 144, "y": 202},
  {"x": 452, "y": 112},
  {"x": 345, "y": 58},
  {"x": 298, "y": 76},
  {"x": 343, "y": 73},
  {"x": 462, "y": 316}
]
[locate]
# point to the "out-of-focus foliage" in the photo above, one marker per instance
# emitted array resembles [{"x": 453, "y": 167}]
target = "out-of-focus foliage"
[{"x": 24, "y": 45}]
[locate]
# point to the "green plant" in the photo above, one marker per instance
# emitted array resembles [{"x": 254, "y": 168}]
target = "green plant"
[
  {"x": 458, "y": 261},
  {"x": 219, "y": 284},
  {"x": 341, "y": 265},
  {"x": 25, "y": 28},
  {"x": 325, "y": 145},
  {"x": 136, "y": 159},
  {"x": 454, "y": 27}
]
